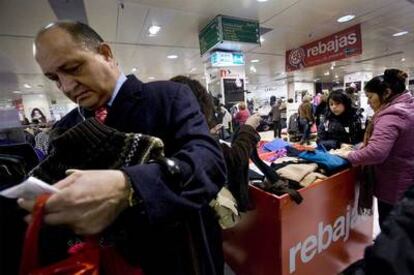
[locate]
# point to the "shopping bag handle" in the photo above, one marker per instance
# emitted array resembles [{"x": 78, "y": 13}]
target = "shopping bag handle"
[{"x": 30, "y": 254}]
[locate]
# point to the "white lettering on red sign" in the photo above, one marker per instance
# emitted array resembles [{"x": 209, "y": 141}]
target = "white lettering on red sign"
[
  {"x": 327, "y": 234},
  {"x": 334, "y": 45}
]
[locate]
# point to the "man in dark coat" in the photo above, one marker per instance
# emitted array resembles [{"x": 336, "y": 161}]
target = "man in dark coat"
[{"x": 170, "y": 229}]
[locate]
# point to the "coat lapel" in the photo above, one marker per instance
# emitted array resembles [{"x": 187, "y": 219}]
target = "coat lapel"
[{"x": 126, "y": 105}]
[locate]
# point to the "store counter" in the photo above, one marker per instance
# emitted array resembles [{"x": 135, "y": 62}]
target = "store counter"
[{"x": 322, "y": 235}]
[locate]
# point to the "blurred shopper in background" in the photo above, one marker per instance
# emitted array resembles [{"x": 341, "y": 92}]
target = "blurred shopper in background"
[
  {"x": 275, "y": 114},
  {"x": 37, "y": 116},
  {"x": 305, "y": 118},
  {"x": 242, "y": 115}
]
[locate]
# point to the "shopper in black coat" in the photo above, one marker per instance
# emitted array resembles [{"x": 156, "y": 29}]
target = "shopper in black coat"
[
  {"x": 157, "y": 213},
  {"x": 237, "y": 155},
  {"x": 342, "y": 124}
]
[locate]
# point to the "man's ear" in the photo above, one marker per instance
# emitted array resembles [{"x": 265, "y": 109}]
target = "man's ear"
[{"x": 106, "y": 51}]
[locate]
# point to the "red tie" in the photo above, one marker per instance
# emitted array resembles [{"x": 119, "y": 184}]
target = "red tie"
[{"x": 101, "y": 113}]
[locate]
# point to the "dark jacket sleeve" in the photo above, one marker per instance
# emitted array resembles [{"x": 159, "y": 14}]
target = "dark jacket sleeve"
[
  {"x": 199, "y": 158},
  {"x": 237, "y": 160},
  {"x": 393, "y": 249}
]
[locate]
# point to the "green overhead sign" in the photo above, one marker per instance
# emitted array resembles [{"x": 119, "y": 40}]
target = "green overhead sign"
[
  {"x": 209, "y": 36},
  {"x": 224, "y": 28},
  {"x": 238, "y": 30}
]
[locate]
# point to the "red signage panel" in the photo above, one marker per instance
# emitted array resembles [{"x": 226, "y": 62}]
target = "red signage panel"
[{"x": 337, "y": 46}]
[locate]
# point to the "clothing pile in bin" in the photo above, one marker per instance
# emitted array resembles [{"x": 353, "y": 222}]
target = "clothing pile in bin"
[{"x": 297, "y": 165}]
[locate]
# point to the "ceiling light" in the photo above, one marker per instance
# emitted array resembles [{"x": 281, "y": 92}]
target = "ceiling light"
[
  {"x": 27, "y": 86},
  {"x": 17, "y": 92},
  {"x": 151, "y": 78},
  {"x": 336, "y": 76},
  {"x": 345, "y": 18},
  {"x": 400, "y": 33},
  {"x": 402, "y": 59},
  {"x": 262, "y": 39},
  {"x": 253, "y": 69},
  {"x": 134, "y": 70},
  {"x": 261, "y": 0},
  {"x": 255, "y": 60},
  {"x": 172, "y": 56},
  {"x": 153, "y": 30},
  {"x": 327, "y": 73}
]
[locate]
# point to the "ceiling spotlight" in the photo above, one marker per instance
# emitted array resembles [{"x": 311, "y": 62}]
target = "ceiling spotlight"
[
  {"x": 253, "y": 69},
  {"x": 134, "y": 70},
  {"x": 17, "y": 92},
  {"x": 262, "y": 39},
  {"x": 27, "y": 86},
  {"x": 151, "y": 78},
  {"x": 153, "y": 30},
  {"x": 255, "y": 60},
  {"x": 327, "y": 73},
  {"x": 402, "y": 59},
  {"x": 261, "y": 0},
  {"x": 172, "y": 56},
  {"x": 345, "y": 18},
  {"x": 400, "y": 33},
  {"x": 336, "y": 76}
]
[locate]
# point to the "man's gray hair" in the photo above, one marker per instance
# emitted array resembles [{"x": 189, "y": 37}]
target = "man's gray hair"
[{"x": 79, "y": 32}]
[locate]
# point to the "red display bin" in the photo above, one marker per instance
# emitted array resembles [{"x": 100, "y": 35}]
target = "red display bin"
[{"x": 322, "y": 235}]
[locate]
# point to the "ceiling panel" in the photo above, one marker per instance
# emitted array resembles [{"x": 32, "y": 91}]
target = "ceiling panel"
[{"x": 22, "y": 17}]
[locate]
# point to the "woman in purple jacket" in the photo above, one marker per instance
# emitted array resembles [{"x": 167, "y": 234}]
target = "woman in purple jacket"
[{"x": 389, "y": 139}]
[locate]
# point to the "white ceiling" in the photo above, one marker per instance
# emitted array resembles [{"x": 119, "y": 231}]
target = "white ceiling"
[{"x": 293, "y": 23}]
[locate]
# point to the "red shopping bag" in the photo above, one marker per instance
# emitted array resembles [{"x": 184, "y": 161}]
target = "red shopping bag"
[{"x": 89, "y": 258}]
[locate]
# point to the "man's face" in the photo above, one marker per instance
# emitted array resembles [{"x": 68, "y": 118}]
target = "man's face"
[{"x": 86, "y": 77}]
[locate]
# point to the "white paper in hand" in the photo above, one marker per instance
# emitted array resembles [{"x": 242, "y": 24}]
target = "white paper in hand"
[{"x": 29, "y": 189}]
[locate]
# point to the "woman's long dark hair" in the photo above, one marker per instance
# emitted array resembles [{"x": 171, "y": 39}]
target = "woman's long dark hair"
[
  {"x": 392, "y": 79},
  {"x": 43, "y": 117}
]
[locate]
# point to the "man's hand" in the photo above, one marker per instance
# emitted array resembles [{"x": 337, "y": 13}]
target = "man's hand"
[{"x": 89, "y": 200}]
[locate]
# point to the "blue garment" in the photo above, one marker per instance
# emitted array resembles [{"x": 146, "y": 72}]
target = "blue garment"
[
  {"x": 275, "y": 145},
  {"x": 327, "y": 161}
]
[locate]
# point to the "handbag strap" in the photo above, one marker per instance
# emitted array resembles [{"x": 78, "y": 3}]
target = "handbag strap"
[{"x": 30, "y": 254}]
